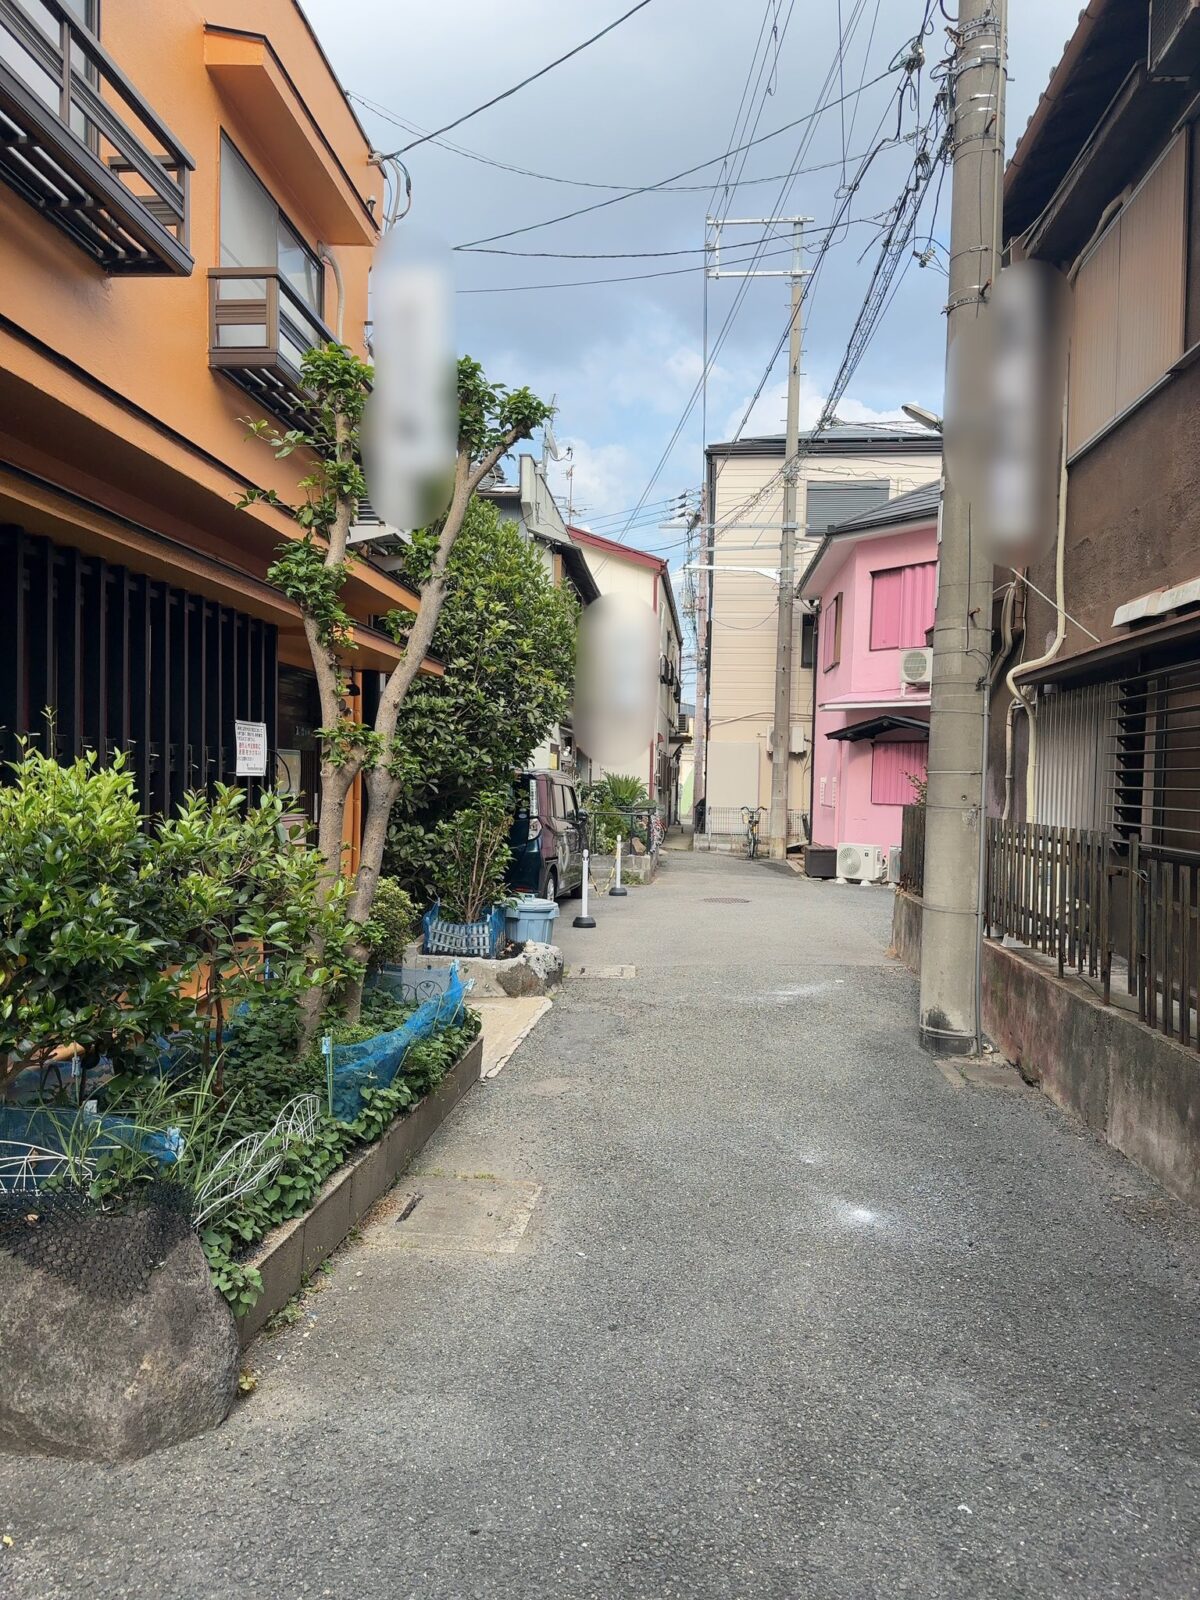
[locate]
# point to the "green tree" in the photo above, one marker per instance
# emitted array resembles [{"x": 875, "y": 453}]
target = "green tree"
[
  {"x": 312, "y": 571},
  {"x": 506, "y": 637}
]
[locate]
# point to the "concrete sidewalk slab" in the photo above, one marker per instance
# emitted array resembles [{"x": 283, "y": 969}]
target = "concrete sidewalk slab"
[{"x": 506, "y": 1022}]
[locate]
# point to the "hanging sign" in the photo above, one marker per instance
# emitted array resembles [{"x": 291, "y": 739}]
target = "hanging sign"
[{"x": 251, "y": 741}]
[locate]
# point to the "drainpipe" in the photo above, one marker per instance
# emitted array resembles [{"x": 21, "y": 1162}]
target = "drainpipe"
[
  {"x": 331, "y": 261},
  {"x": 1021, "y": 701}
]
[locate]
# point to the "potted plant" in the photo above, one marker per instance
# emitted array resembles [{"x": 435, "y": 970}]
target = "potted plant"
[{"x": 470, "y": 860}]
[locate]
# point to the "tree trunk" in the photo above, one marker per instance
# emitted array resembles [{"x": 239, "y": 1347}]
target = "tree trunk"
[
  {"x": 382, "y": 790},
  {"x": 336, "y": 783}
]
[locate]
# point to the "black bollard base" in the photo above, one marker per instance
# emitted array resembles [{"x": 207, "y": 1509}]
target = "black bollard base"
[
  {"x": 615, "y": 890},
  {"x": 584, "y": 922}
]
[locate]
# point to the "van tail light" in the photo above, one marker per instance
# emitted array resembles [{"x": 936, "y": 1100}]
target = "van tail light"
[{"x": 535, "y": 827}]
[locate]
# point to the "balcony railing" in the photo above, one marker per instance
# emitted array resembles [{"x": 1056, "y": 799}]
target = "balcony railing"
[
  {"x": 80, "y": 144},
  {"x": 259, "y": 329}
]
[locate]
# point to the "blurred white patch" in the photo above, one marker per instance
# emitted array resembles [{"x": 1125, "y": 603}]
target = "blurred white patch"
[
  {"x": 1023, "y": 428},
  {"x": 410, "y": 428},
  {"x": 616, "y": 682}
]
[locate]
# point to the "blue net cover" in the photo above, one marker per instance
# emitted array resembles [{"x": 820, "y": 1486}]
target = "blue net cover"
[
  {"x": 53, "y": 1130},
  {"x": 375, "y": 1063}
]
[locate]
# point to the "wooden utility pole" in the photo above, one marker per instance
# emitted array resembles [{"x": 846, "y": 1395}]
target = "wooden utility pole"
[{"x": 955, "y": 797}]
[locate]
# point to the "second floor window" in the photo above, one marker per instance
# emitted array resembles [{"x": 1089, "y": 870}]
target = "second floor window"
[
  {"x": 255, "y": 233},
  {"x": 831, "y": 634},
  {"x": 902, "y": 605}
]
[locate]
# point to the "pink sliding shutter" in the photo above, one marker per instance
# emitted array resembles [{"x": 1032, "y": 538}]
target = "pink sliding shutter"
[
  {"x": 902, "y": 602},
  {"x": 891, "y": 765},
  {"x": 887, "y": 594},
  {"x": 917, "y": 596}
]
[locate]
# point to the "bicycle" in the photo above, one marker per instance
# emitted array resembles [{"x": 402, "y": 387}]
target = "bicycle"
[{"x": 750, "y": 815}]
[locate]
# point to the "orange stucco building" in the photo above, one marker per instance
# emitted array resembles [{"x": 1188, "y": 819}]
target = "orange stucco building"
[{"x": 187, "y": 202}]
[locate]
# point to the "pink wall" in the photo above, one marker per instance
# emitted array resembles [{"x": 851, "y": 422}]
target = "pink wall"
[{"x": 844, "y": 811}]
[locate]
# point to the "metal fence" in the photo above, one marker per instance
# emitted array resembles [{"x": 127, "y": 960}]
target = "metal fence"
[
  {"x": 912, "y": 849},
  {"x": 723, "y": 821},
  {"x": 1094, "y": 901},
  {"x": 641, "y": 829}
]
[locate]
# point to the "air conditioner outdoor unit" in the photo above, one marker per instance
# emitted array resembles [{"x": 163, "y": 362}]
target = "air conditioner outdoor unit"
[
  {"x": 862, "y": 863},
  {"x": 1174, "y": 50},
  {"x": 916, "y": 666}
]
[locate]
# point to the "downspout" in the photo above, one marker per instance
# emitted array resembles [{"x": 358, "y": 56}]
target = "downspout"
[
  {"x": 331, "y": 261},
  {"x": 1021, "y": 701}
]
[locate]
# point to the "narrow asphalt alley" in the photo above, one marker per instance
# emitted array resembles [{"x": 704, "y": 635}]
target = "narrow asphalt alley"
[{"x": 766, "y": 1305}]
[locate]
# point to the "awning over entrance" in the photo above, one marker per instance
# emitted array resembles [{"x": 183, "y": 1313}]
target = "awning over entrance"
[{"x": 872, "y": 728}]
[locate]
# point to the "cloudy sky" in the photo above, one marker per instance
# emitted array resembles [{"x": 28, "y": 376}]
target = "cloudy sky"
[{"x": 662, "y": 93}]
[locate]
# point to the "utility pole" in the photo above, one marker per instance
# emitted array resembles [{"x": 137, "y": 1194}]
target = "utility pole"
[
  {"x": 781, "y": 727},
  {"x": 781, "y": 732},
  {"x": 955, "y": 797}
]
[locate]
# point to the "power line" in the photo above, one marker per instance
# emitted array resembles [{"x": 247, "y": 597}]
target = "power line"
[
  {"x": 810, "y": 120},
  {"x": 578, "y": 183},
  {"x": 634, "y": 277},
  {"x": 686, "y": 172},
  {"x": 532, "y": 78}
]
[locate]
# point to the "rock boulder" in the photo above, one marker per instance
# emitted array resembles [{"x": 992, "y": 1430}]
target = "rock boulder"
[{"x": 115, "y": 1341}]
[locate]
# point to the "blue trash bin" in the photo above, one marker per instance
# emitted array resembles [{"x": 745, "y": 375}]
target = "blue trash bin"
[{"x": 531, "y": 918}]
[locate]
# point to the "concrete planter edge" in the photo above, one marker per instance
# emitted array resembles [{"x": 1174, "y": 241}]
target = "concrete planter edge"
[{"x": 291, "y": 1251}]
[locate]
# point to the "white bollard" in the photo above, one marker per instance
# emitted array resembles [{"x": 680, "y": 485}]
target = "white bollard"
[
  {"x": 583, "y": 920},
  {"x": 617, "y": 887}
]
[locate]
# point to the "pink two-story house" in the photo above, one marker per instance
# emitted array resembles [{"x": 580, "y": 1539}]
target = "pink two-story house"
[{"x": 873, "y": 585}]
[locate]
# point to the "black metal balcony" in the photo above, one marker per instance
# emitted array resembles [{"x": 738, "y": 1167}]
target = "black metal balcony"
[
  {"x": 80, "y": 144},
  {"x": 259, "y": 329}
]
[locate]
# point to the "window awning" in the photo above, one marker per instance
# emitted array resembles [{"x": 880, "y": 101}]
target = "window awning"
[{"x": 872, "y": 728}]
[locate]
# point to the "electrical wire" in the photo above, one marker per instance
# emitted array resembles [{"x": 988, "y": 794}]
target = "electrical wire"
[
  {"x": 810, "y": 121},
  {"x": 576, "y": 183},
  {"x": 649, "y": 188},
  {"x": 532, "y": 78},
  {"x": 635, "y": 277}
]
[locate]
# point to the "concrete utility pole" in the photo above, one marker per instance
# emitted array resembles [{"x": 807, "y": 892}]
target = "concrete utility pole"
[
  {"x": 781, "y": 732},
  {"x": 955, "y": 798}
]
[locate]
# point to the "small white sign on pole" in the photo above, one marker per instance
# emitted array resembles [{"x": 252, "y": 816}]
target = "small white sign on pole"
[{"x": 251, "y": 741}]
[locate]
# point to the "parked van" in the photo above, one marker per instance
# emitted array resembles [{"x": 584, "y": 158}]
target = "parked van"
[{"x": 548, "y": 835}]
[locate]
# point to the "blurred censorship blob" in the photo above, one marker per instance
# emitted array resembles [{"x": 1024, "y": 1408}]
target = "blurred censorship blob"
[
  {"x": 1024, "y": 435},
  {"x": 616, "y": 681},
  {"x": 410, "y": 425}
]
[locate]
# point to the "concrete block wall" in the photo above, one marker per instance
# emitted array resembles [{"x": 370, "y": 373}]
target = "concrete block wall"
[{"x": 1135, "y": 1088}]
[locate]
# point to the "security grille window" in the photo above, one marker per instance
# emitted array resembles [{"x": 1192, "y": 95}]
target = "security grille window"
[
  {"x": 827, "y": 504},
  {"x": 1157, "y": 758}
]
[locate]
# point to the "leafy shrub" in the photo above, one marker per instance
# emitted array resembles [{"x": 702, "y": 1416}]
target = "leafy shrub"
[
  {"x": 470, "y": 858},
  {"x": 393, "y": 923},
  {"x": 84, "y": 935},
  {"x": 608, "y": 803}
]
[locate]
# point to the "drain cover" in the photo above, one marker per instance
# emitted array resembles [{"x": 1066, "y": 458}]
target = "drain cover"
[{"x": 725, "y": 900}]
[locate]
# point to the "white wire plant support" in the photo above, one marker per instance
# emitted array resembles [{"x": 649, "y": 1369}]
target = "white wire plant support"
[
  {"x": 25, "y": 1167},
  {"x": 255, "y": 1158}
]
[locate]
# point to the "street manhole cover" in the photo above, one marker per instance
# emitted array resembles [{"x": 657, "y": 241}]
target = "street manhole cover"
[
  {"x": 476, "y": 1215},
  {"x": 725, "y": 900}
]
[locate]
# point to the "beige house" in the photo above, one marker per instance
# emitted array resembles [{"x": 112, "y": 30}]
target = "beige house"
[
  {"x": 851, "y": 468},
  {"x": 619, "y": 569}
]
